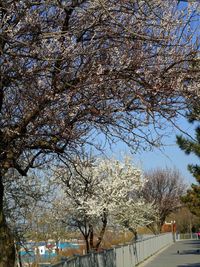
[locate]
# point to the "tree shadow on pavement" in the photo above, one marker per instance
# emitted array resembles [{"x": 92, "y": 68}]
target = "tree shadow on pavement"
[
  {"x": 189, "y": 265},
  {"x": 194, "y": 243},
  {"x": 193, "y": 248},
  {"x": 188, "y": 252}
]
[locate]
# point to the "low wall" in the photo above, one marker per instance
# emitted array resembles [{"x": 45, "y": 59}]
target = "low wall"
[{"x": 122, "y": 256}]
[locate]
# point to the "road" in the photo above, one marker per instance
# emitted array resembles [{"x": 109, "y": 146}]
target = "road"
[{"x": 180, "y": 254}]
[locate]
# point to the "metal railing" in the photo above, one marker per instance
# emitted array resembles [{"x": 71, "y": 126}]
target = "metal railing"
[
  {"x": 122, "y": 256},
  {"x": 186, "y": 236}
]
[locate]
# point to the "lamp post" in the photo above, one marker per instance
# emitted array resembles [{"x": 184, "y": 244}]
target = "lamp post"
[{"x": 173, "y": 225}]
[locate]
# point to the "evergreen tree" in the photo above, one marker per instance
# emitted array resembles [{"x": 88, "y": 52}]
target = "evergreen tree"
[{"x": 192, "y": 198}]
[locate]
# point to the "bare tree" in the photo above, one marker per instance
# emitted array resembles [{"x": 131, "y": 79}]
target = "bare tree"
[
  {"x": 70, "y": 70},
  {"x": 186, "y": 222},
  {"x": 164, "y": 187}
]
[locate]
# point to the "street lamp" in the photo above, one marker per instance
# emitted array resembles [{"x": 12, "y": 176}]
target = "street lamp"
[{"x": 173, "y": 225}]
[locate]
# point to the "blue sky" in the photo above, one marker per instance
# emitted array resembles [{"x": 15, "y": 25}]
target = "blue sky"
[{"x": 169, "y": 155}]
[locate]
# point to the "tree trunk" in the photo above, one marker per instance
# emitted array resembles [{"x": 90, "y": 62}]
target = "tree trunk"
[
  {"x": 135, "y": 235},
  {"x": 103, "y": 229},
  {"x": 160, "y": 224},
  {"x": 87, "y": 244},
  {"x": 134, "y": 231},
  {"x": 7, "y": 247},
  {"x": 153, "y": 227},
  {"x": 57, "y": 247},
  {"x": 91, "y": 237},
  {"x": 18, "y": 256},
  {"x": 20, "y": 259}
]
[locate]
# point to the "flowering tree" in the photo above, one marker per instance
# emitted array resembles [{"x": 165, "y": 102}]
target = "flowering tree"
[
  {"x": 72, "y": 69},
  {"x": 23, "y": 197},
  {"x": 102, "y": 192}
]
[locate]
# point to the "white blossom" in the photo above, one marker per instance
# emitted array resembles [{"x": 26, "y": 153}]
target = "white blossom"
[{"x": 107, "y": 186}]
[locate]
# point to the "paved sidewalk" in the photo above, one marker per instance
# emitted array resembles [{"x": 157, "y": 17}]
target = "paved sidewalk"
[{"x": 180, "y": 254}]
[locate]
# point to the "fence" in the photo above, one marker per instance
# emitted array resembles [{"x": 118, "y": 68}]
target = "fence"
[
  {"x": 122, "y": 256},
  {"x": 186, "y": 236}
]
